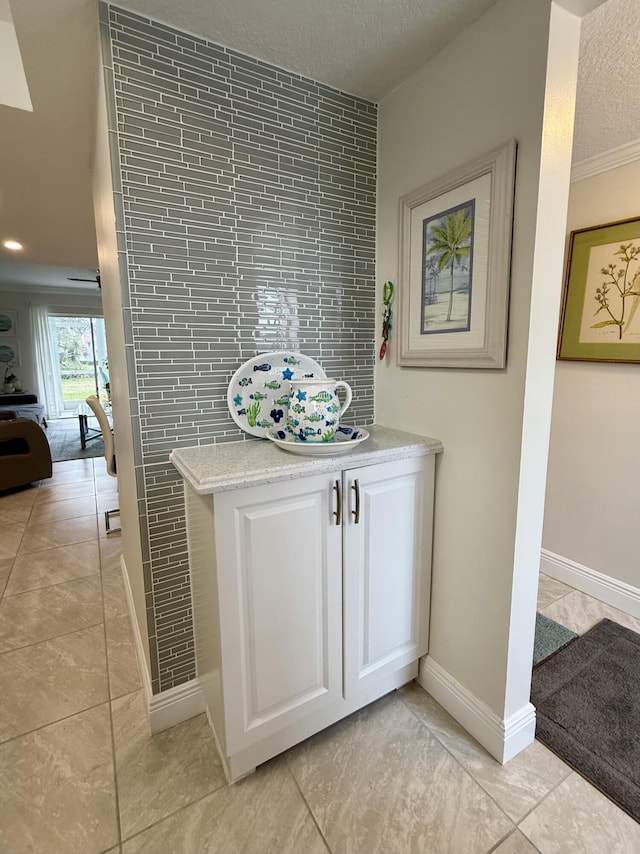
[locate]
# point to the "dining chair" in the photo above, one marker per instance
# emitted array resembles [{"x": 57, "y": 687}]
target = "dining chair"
[{"x": 109, "y": 453}]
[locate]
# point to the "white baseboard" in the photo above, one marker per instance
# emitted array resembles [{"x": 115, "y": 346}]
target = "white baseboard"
[
  {"x": 137, "y": 637},
  {"x": 503, "y": 738},
  {"x": 609, "y": 590},
  {"x": 175, "y": 705},
  {"x": 167, "y": 708}
]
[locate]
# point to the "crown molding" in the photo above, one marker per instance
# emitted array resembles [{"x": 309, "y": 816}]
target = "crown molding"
[{"x": 611, "y": 159}]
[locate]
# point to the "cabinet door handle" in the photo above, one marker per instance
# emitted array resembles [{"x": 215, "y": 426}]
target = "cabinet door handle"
[
  {"x": 356, "y": 513},
  {"x": 338, "y": 511}
]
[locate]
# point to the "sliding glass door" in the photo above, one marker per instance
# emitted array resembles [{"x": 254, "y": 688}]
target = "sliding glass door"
[{"x": 82, "y": 367}]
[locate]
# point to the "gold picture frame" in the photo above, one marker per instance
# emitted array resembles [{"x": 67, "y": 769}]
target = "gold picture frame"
[{"x": 600, "y": 317}]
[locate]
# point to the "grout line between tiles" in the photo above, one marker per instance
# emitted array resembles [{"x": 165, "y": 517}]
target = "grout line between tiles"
[
  {"x": 61, "y": 546},
  {"x": 544, "y": 797},
  {"x": 52, "y": 723},
  {"x": 52, "y": 637},
  {"x": 41, "y": 515},
  {"x": 562, "y": 596},
  {"x": 15, "y": 556},
  {"x": 4, "y": 586},
  {"x": 508, "y": 836},
  {"x": 56, "y": 584},
  {"x": 455, "y": 758},
  {"x": 176, "y": 811},
  {"x": 306, "y": 803},
  {"x": 110, "y": 703}
]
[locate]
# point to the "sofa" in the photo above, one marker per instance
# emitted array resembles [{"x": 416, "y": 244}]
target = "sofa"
[
  {"x": 24, "y": 405},
  {"x": 25, "y": 455}
]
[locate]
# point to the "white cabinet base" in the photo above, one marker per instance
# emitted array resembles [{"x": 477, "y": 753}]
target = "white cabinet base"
[{"x": 246, "y": 761}]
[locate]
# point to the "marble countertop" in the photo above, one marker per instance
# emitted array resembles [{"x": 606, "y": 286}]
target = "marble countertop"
[{"x": 232, "y": 465}]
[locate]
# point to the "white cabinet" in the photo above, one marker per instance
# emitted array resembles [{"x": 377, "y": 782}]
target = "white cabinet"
[
  {"x": 280, "y": 579},
  {"x": 387, "y": 570},
  {"x": 311, "y": 598}
]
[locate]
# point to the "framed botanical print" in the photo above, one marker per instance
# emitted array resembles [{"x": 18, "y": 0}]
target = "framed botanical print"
[{"x": 600, "y": 320}]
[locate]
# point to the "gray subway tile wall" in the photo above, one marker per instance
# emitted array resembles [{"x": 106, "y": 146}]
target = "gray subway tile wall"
[{"x": 246, "y": 212}]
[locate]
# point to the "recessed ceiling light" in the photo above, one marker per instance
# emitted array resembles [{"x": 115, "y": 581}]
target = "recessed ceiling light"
[{"x": 13, "y": 245}]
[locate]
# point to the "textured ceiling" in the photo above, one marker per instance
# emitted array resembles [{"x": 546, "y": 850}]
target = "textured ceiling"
[
  {"x": 608, "y": 99},
  {"x": 366, "y": 47}
]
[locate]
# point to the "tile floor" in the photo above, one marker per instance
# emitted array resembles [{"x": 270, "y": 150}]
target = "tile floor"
[{"x": 80, "y": 774}]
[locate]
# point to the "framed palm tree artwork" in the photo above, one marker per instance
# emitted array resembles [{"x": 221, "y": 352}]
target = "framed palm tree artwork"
[{"x": 455, "y": 251}]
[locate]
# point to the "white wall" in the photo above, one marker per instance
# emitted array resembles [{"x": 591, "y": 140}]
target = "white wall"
[
  {"x": 119, "y": 379},
  {"x": 484, "y": 88},
  {"x": 592, "y": 508},
  {"x": 74, "y": 304}
]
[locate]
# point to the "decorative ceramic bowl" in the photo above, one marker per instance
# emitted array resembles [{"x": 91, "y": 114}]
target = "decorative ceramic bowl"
[{"x": 345, "y": 440}]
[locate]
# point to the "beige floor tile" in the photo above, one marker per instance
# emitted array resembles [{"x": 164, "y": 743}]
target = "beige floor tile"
[
  {"x": 104, "y": 483},
  {"x": 110, "y": 552},
  {"x": 85, "y": 465},
  {"x": 62, "y": 476},
  {"x": 13, "y": 517},
  {"x": 57, "y": 791},
  {"x": 115, "y": 602},
  {"x": 124, "y": 676},
  {"x": 380, "y": 781},
  {"x": 16, "y": 507},
  {"x": 107, "y": 500},
  {"x": 54, "y": 566},
  {"x": 516, "y": 843},
  {"x": 576, "y": 818},
  {"x": 580, "y": 612},
  {"x": 262, "y": 814},
  {"x": 39, "y": 536},
  {"x": 159, "y": 774},
  {"x": 49, "y": 681},
  {"x": 35, "y": 616},
  {"x": 65, "y": 491},
  {"x": 71, "y": 471},
  {"x": 517, "y": 786},
  {"x": 13, "y": 500},
  {"x": 68, "y": 508},
  {"x": 17, "y": 519},
  {"x": 110, "y": 547},
  {"x": 6, "y": 564},
  {"x": 549, "y": 590},
  {"x": 11, "y": 536}
]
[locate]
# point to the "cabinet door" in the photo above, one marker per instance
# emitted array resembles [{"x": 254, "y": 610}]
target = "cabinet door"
[
  {"x": 387, "y": 568},
  {"x": 280, "y": 579}
]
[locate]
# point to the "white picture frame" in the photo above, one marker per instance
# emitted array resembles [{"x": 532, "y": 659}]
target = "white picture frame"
[{"x": 455, "y": 264}]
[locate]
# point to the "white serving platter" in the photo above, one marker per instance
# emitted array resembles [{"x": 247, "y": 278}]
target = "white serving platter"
[
  {"x": 346, "y": 439},
  {"x": 259, "y": 390}
]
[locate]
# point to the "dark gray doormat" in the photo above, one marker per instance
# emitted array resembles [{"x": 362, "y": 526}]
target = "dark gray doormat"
[
  {"x": 587, "y": 699},
  {"x": 550, "y": 637}
]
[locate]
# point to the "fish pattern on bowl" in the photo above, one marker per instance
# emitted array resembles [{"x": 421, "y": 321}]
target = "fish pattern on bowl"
[
  {"x": 346, "y": 439},
  {"x": 259, "y": 391},
  {"x": 348, "y": 432}
]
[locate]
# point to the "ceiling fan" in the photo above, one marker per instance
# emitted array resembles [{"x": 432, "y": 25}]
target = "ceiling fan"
[{"x": 96, "y": 280}]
